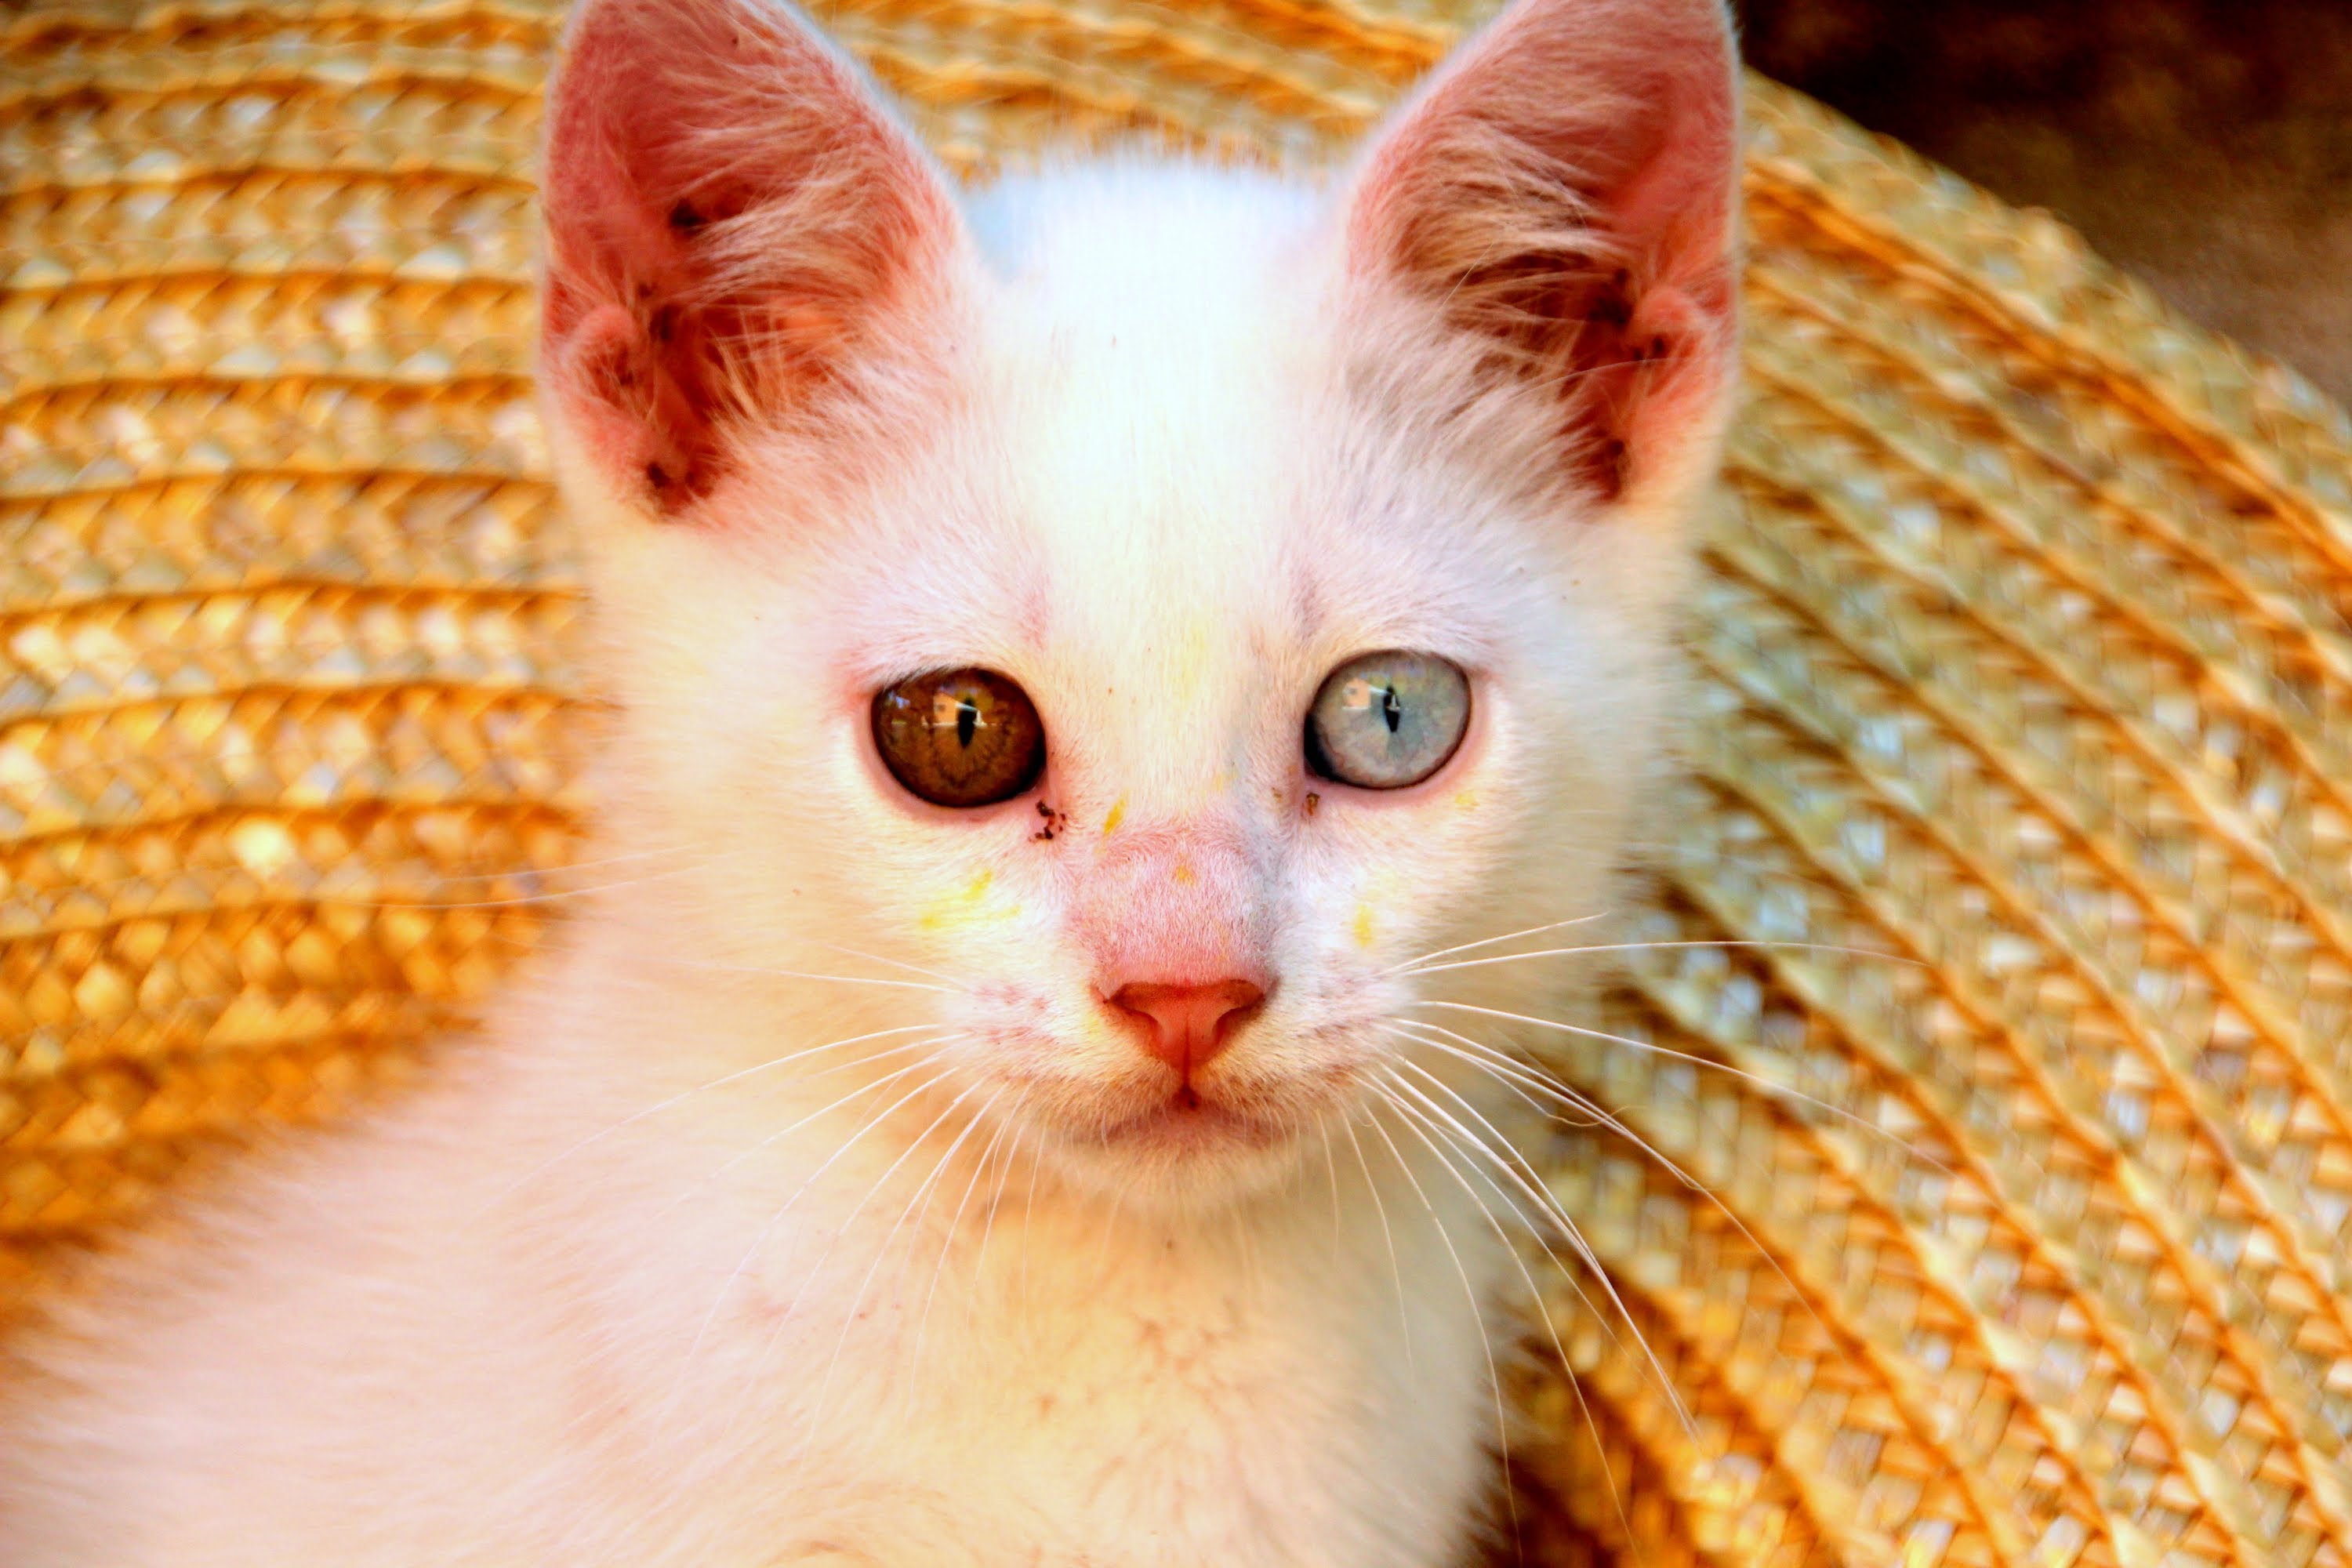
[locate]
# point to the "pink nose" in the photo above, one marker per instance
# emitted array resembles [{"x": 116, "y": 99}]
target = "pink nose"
[{"x": 1185, "y": 1026}]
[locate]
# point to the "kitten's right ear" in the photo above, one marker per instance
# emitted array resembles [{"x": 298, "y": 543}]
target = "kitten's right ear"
[
  {"x": 734, "y": 225},
  {"x": 1564, "y": 192}
]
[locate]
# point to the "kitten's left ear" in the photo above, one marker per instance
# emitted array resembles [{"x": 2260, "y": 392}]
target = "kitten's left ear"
[
  {"x": 1564, "y": 192},
  {"x": 736, "y": 231}
]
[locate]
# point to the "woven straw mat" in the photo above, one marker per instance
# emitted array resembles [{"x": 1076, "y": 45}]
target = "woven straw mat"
[{"x": 2023, "y": 654}]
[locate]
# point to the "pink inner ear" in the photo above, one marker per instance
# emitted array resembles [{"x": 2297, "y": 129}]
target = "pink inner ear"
[
  {"x": 1564, "y": 190},
  {"x": 730, "y": 220}
]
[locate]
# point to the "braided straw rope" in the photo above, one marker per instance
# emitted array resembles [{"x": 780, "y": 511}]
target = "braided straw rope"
[{"x": 2022, "y": 654}]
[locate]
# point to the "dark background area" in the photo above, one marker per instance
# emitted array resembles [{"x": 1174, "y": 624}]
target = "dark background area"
[{"x": 2205, "y": 145}]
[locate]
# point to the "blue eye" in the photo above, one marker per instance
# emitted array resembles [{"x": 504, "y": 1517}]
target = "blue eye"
[{"x": 1384, "y": 720}]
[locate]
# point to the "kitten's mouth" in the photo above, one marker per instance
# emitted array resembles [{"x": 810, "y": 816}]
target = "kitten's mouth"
[{"x": 1189, "y": 1120}]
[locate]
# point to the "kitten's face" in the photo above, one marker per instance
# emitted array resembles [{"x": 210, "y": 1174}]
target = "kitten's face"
[{"x": 1246, "y": 626}]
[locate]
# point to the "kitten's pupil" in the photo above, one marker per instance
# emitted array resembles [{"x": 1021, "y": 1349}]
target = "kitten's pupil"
[
  {"x": 967, "y": 721},
  {"x": 1391, "y": 708}
]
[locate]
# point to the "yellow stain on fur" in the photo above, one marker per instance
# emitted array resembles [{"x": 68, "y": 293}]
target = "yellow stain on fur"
[
  {"x": 1184, "y": 876},
  {"x": 1194, "y": 653},
  {"x": 967, "y": 906},
  {"x": 1117, "y": 815},
  {"x": 1364, "y": 926}
]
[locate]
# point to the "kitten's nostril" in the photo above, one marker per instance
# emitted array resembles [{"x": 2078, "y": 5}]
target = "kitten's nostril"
[{"x": 1185, "y": 1026}]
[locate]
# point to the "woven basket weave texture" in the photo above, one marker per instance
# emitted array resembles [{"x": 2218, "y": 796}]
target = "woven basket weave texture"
[{"x": 2022, "y": 653}]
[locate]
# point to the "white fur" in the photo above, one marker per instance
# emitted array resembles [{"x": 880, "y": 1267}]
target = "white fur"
[{"x": 611, "y": 1292}]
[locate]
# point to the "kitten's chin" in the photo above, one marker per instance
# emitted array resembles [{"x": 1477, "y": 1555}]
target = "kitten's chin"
[
  {"x": 1192, "y": 1128},
  {"x": 1183, "y": 1154}
]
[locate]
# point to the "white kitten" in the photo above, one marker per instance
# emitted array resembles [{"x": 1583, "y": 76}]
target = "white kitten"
[{"x": 1078, "y": 645}]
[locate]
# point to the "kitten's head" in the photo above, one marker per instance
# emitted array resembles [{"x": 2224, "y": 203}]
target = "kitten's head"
[{"x": 1145, "y": 609}]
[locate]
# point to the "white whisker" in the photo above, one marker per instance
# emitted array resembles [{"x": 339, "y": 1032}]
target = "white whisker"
[
  {"x": 760, "y": 1241},
  {"x": 849, "y": 1318},
  {"x": 1499, "y": 1068},
  {"x": 1469, "y": 1292},
  {"x": 1331, "y": 1174},
  {"x": 995, "y": 1206},
  {"x": 1550, "y": 1206},
  {"x": 1388, "y": 1236},
  {"x": 928, "y": 1192},
  {"x": 1559, "y": 1349},
  {"x": 1617, "y": 1125},
  {"x": 1775, "y": 1090},
  {"x": 895, "y": 962},
  {"x": 1543, "y": 1309},
  {"x": 1660, "y": 946},
  {"x": 1029, "y": 1211},
  {"x": 955, "y": 1221},
  {"x": 1516, "y": 1213},
  {"x": 1489, "y": 941},
  {"x": 684, "y": 1095},
  {"x": 927, "y": 1044}
]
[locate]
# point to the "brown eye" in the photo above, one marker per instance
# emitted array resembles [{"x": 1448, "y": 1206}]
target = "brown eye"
[{"x": 960, "y": 737}]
